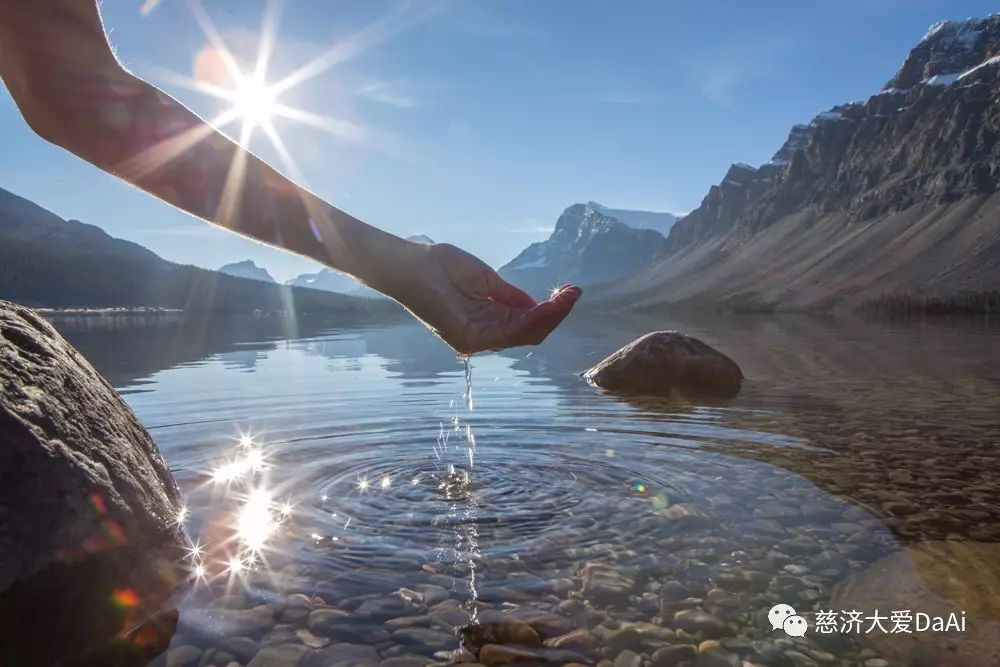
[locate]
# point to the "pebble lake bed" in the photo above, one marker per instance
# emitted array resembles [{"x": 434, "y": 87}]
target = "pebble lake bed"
[{"x": 357, "y": 499}]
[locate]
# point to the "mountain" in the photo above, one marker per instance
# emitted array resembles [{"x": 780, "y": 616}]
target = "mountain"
[
  {"x": 587, "y": 246},
  {"x": 328, "y": 280},
  {"x": 331, "y": 280},
  {"x": 657, "y": 221},
  {"x": 46, "y": 261},
  {"x": 887, "y": 203},
  {"x": 247, "y": 269}
]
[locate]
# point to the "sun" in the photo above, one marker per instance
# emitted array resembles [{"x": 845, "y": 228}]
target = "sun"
[{"x": 253, "y": 100}]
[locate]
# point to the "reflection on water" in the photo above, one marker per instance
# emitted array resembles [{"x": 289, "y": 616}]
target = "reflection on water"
[{"x": 352, "y": 504}]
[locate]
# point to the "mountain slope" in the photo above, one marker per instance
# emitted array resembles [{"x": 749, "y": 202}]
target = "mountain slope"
[
  {"x": 331, "y": 280},
  {"x": 588, "y": 246},
  {"x": 658, "y": 221},
  {"x": 894, "y": 198},
  {"x": 46, "y": 261},
  {"x": 328, "y": 280},
  {"x": 246, "y": 269}
]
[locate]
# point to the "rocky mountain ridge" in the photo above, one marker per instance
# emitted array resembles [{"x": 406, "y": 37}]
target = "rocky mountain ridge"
[
  {"x": 49, "y": 262},
  {"x": 587, "y": 246},
  {"x": 331, "y": 280},
  {"x": 246, "y": 269},
  {"x": 878, "y": 199}
]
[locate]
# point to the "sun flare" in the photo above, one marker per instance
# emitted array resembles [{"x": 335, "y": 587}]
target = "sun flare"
[{"x": 254, "y": 101}]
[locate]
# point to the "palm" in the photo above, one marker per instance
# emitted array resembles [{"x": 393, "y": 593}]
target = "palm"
[{"x": 472, "y": 308}]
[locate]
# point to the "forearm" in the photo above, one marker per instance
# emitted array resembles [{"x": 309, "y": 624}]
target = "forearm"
[{"x": 126, "y": 126}]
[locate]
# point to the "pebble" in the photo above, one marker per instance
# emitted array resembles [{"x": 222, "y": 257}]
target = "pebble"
[
  {"x": 349, "y": 653},
  {"x": 605, "y": 584},
  {"x": 242, "y": 648},
  {"x": 404, "y": 661},
  {"x": 628, "y": 658},
  {"x": 183, "y": 656},
  {"x": 668, "y": 656},
  {"x": 701, "y": 622},
  {"x": 331, "y": 623},
  {"x": 311, "y": 640},
  {"x": 431, "y": 640},
  {"x": 581, "y": 640},
  {"x": 495, "y": 654},
  {"x": 281, "y": 655}
]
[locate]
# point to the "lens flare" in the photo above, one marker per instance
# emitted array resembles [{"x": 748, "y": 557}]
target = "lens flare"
[
  {"x": 256, "y": 522},
  {"x": 235, "y": 565}
]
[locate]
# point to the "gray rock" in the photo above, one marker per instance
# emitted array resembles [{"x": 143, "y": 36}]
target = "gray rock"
[
  {"x": 243, "y": 648},
  {"x": 425, "y": 638},
  {"x": 351, "y": 654},
  {"x": 322, "y": 621},
  {"x": 605, "y": 584},
  {"x": 628, "y": 659},
  {"x": 87, "y": 504},
  {"x": 183, "y": 656},
  {"x": 282, "y": 655},
  {"x": 697, "y": 621},
  {"x": 404, "y": 661},
  {"x": 668, "y": 656},
  {"x": 662, "y": 362}
]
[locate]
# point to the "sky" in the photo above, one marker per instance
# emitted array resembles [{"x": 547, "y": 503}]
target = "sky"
[{"x": 477, "y": 122}]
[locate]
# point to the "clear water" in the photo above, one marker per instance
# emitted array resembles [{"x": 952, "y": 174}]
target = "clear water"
[{"x": 381, "y": 506}]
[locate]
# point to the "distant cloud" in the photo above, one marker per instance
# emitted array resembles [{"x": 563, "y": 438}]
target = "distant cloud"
[
  {"x": 532, "y": 225},
  {"x": 722, "y": 78},
  {"x": 148, "y": 6},
  {"x": 388, "y": 93}
]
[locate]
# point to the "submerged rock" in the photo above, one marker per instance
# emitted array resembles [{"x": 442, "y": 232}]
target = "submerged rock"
[
  {"x": 664, "y": 362},
  {"x": 89, "y": 537}
]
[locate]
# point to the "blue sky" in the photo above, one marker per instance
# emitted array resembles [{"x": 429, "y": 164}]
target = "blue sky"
[{"x": 480, "y": 121}]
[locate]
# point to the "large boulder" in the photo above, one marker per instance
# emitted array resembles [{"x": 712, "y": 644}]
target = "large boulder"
[
  {"x": 664, "y": 363},
  {"x": 90, "y": 542}
]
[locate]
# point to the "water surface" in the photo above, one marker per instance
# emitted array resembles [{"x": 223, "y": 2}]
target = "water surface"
[{"x": 358, "y": 500}]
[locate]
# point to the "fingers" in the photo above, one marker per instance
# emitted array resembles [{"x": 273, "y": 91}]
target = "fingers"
[
  {"x": 536, "y": 324},
  {"x": 502, "y": 291}
]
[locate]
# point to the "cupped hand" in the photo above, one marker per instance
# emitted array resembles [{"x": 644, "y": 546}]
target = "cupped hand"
[{"x": 471, "y": 307}]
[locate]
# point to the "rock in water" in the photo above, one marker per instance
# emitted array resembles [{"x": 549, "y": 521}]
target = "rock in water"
[
  {"x": 90, "y": 544},
  {"x": 664, "y": 362}
]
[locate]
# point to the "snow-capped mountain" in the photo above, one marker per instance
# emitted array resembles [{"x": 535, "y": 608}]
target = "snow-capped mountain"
[
  {"x": 328, "y": 280},
  {"x": 331, "y": 280},
  {"x": 890, "y": 202},
  {"x": 588, "y": 245},
  {"x": 948, "y": 51},
  {"x": 658, "y": 221},
  {"x": 247, "y": 269}
]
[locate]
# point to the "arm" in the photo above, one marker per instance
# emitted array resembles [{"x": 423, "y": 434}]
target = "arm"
[{"x": 70, "y": 88}]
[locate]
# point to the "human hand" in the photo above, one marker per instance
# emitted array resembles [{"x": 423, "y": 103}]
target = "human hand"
[{"x": 470, "y": 306}]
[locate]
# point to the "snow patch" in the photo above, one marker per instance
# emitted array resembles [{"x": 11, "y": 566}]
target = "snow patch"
[
  {"x": 961, "y": 33},
  {"x": 942, "y": 79},
  {"x": 829, "y": 116},
  {"x": 995, "y": 60}
]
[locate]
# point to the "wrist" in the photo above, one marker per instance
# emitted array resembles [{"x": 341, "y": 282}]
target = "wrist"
[{"x": 393, "y": 265}]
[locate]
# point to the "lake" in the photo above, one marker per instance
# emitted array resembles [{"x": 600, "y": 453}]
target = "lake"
[{"x": 359, "y": 495}]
